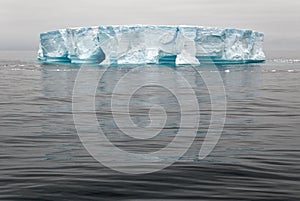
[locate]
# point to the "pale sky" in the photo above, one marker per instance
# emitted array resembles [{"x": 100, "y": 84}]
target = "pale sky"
[{"x": 21, "y": 21}]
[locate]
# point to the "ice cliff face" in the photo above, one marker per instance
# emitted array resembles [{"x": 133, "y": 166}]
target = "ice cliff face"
[{"x": 141, "y": 44}]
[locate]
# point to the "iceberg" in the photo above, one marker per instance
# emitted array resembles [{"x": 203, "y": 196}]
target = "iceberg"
[{"x": 149, "y": 44}]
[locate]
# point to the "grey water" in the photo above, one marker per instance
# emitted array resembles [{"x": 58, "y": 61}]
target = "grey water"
[{"x": 256, "y": 158}]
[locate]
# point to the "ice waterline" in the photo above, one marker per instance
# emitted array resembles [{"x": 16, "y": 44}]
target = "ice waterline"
[{"x": 146, "y": 44}]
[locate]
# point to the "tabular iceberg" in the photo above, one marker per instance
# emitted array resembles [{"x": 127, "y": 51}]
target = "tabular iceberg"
[{"x": 143, "y": 44}]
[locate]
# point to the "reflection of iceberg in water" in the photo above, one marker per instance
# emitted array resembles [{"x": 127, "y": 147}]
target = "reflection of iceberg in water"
[
  {"x": 57, "y": 86},
  {"x": 142, "y": 44},
  {"x": 141, "y": 102},
  {"x": 240, "y": 82}
]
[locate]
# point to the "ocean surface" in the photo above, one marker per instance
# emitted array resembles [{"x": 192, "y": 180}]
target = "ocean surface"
[{"x": 256, "y": 158}]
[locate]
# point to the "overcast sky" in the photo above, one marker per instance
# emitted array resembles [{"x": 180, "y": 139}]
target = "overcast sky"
[{"x": 21, "y": 21}]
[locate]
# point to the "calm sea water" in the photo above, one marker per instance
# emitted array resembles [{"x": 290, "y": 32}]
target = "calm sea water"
[{"x": 256, "y": 158}]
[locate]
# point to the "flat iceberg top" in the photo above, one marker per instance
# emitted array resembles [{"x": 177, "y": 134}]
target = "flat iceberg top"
[{"x": 149, "y": 44}]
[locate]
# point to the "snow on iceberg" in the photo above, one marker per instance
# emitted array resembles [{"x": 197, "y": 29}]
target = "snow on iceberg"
[{"x": 141, "y": 44}]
